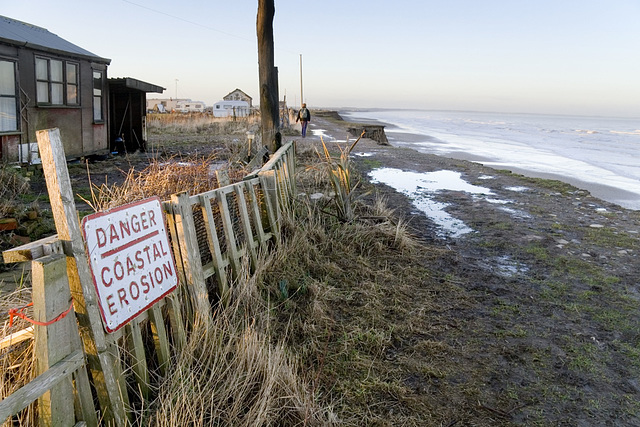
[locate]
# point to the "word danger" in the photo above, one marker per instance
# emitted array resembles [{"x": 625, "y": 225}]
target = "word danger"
[{"x": 130, "y": 259}]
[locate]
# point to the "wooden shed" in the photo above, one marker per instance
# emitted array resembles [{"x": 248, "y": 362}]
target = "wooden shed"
[
  {"x": 128, "y": 113},
  {"x": 46, "y": 82}
]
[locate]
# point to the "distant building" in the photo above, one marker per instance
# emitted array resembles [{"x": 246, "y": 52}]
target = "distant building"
[
  {"x": 238, "y": 95},
  {"x": 231, "y": 109},
  {"x": 189, "y": 106},
  {"x": 163, "y": 105}
]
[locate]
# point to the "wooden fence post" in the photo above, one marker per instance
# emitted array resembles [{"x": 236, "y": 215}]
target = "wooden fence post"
[
  {"x": 102, "y": 359},
  {"x": 54, "y": 342}
]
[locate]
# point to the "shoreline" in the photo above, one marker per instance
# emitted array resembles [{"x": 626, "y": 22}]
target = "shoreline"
[{"x": 616, "y": 195}]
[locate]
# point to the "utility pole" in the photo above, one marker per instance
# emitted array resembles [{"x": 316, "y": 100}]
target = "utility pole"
[
  {"x": 301, "y": 96},
  {"x": 268, "y": 73}
]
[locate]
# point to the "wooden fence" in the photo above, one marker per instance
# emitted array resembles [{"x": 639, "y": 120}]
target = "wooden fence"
[{"x": 211, "y": 235}]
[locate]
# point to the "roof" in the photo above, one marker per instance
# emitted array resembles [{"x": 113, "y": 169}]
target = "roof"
[
  {"x": 237, "y": 90},
  {"x": 20, "y": 33},
  {"x": 131, "y": 83}
]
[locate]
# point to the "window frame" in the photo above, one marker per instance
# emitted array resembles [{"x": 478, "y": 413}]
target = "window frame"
[
  {"x": 98, "y": 96},
  {"x": 62, "y": 83},
  {"x": 15, "y": 97}
]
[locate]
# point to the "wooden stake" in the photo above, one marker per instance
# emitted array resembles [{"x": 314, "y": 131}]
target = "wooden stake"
[{"x": 101, "y": 361}]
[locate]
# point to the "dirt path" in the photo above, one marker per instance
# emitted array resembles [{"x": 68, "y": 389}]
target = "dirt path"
[{"x": 545, "y": 328}]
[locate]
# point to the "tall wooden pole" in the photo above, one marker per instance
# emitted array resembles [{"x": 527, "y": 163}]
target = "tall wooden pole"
[
  {"x": 301, "y": 95},
  {"x": 268, "y": 73}
]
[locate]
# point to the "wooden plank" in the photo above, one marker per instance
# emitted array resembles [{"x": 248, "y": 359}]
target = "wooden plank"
[
  {"x": 187, "y": 242},
  {"x": 255, "y": 213},
  {"x": 33, "y": 250},
  {"x": 277, "y": 155},
  {"x": 219, "y": 264},
  {"x": 227, "y": 226},
  {"x": 174, "y": 311},
  {"x": 16, "y": 337},
  {"x": 267, "y": 183},
  {"x": 100, "y": 360},
  {"x": 138, "y": 357},
  {"x": 177, "y": 254},
  {"x": 28, "y": 394},
  {"x": 51, "y": 297},
  {"x": 246, "y": 224},
  {"x": 160, "y": 338}
]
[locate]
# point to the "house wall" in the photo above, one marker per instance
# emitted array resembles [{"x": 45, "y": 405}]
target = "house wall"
[{"x": 80, "y": 135}]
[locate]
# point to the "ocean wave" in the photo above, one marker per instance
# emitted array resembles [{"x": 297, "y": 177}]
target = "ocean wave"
[
  {"x": 587, "y": 131},
  {"x": 635, "y": 132}
]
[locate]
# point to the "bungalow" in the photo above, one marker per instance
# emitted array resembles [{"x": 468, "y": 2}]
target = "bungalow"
[
  {"x": 238, "y": 95},
  {"x": 46, "y": 82}
]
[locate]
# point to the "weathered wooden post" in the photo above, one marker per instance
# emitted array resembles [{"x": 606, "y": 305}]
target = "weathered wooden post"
[
  {"x": 101, "y": 355},
  {"x": 268, "y": 74},
  {"x": 56, "y": 341}
]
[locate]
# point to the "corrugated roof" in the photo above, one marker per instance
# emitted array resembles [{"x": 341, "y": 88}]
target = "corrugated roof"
[{"x": 21, "y": 33}]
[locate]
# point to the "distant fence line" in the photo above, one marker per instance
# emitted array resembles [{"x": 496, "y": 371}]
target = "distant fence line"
[{"x": 211, "y": 234}]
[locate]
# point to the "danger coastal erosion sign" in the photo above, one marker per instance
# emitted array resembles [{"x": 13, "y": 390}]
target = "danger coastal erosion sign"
[{"x": 131, "y": 263}]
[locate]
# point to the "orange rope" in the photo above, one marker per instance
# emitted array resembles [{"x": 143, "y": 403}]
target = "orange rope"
[{"x": 18, "y": 312}]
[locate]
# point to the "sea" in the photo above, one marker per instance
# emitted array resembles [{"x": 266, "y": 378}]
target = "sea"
[{"x": 598, "y": 154}]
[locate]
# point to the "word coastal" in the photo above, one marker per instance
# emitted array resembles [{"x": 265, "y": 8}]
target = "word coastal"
[{"x": 130, "y": 260}]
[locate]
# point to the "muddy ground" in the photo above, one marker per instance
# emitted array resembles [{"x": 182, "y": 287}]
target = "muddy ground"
[{"x": 545, "y": 329}]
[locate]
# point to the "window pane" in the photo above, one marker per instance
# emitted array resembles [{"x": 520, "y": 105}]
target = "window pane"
[
  {"x": 43, "y": 92},
  {"x": 56, "y": 93},
  {"x": 8, "y": 117},
  {"x": 97, "y": 83},
  {"x": 7, "y": 78},
  {"x": 97, "y": 108},
  {"x": 72, "y": 94},
  {"x": 72, "y": 73},
  {"x": 41, "y": 69},
  {"x": 56, "y": 71}
]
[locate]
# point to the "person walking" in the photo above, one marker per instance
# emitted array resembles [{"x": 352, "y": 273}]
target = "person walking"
[{"x": 304, "y": 116}]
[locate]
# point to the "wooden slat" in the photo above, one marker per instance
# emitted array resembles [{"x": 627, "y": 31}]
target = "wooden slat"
[
  {"x": 187, "y": 243},
  {"x": 246, "y": 224},
  {"x": 174, "y": 310},
  {"x": 160, "y": 338},
  {"x": 135, "y": 346},
  {"x": 16, "y": 337},
  {"x": 61, "y": 196},
  {"x": 254, "y": 207},
  {"x": 33, "y": 250},
  {"x": 272, "y": 206},
  {"x": 28, "y": 394},
  {"x": 219, "y": 264},
  {"x": 227, "y": 226}
]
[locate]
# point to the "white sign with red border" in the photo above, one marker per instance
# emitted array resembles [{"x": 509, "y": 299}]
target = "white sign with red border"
[{"x": 130, "y": 259}]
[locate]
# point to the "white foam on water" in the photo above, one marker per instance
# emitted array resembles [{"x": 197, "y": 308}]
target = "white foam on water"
[{"x": 596, "y": 151}]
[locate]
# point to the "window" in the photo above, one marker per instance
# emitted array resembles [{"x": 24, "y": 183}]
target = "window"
[
  {"x": 56, "y": 82},
  {"x": 97, "y": 96},
  {"x": 8, "y": 98},
  {"x": 72, "y": 84}
]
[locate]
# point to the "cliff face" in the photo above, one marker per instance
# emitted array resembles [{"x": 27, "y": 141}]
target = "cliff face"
[{"x": 374, "y": 132}]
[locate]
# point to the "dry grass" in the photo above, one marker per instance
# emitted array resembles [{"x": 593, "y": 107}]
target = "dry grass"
[
  {"x": 194, "y": 123},
  {"x": 163, "y": 178},
  {"x": 232, "y": 373},
  {"x": 12, "y": 185},
  {"x": 16, "y": 361}
]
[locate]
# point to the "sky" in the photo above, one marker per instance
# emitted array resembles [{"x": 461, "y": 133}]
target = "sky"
[{"x": 576, "y": 57}]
